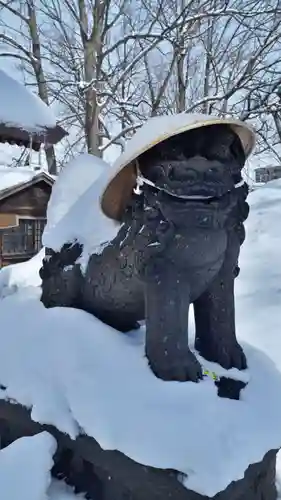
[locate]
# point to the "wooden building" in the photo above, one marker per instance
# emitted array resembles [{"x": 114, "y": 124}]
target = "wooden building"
[
  {"x": 268, "y": 173},
  {"x": 25, "y": 121},
  {"x": 23, "y": 215}
]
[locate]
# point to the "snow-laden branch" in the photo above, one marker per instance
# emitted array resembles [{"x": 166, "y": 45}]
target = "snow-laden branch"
[
  {"x": 176, "y": 23},
  {"x": 15, "y": 56},
  {"x": 132, "y": 36},
  {"x": 17, "y": 13},
  {"x": 10, "y": 41},
  {"x": 121, "y": 134}
]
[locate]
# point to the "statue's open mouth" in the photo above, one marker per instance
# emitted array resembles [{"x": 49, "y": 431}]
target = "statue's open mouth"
[{"x": 141, "y": 181}]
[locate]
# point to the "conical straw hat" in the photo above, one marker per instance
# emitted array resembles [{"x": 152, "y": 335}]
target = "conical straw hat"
[{"x": 120, "y": 187}]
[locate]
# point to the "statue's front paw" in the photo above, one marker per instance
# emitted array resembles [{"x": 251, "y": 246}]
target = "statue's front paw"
[
  {"x": 185, "y": 368},
  {"x": 238, "y": 359},
  {"x": 232, "y": 356},
  {"x": 227, "y": 354}
]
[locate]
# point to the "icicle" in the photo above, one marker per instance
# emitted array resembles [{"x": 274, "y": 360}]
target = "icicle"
[
  {"x": 30, "y": 150},
  {"x": 40, "y": 156}
]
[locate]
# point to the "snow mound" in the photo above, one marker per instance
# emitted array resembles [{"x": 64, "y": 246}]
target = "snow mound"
[
  {"x": 74, "y": 209},
  {"x": 12, "y": 176},
  {"x": 21, "y": 108},
  {"x": 29, "y": 460},
  {"x": 21, "y": 276},
  {"x": 105, "y": 373},
  {"x": 104, "y": 386},
  {"x": 58, "y": 490}
]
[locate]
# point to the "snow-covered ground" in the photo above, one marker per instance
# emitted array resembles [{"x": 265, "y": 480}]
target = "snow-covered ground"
[
  {"x": 180, "y": 426},
  {"x": 25, "y": 471},
  {"x": 21, "y": 277},
  {"x": 259, "y": 288}
]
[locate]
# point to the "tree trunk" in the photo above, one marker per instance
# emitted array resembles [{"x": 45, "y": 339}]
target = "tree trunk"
[
  {"x": 40, "y": 78},
  {"x": 91, "y": 105},
  {"x": 277, "y": 122},
  {"x": 181, "y": 83},
  {"x": 180, "y": 58},
  {"x": 207, "y": 71},
  {"x": 92, "y": 46}
]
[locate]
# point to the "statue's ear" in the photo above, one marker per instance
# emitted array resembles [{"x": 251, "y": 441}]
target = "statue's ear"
[
  {"x": 134, "y": 207},
  {"x": 237, "y": 151},
  {"x": 141, "y": 163}
]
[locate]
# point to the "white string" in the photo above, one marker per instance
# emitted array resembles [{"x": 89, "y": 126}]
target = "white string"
[
  {"x": 142, "y": 180},
  {"x": 137, "y": 189}
]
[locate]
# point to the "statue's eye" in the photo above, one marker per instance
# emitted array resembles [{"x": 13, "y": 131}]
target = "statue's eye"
[
  {"x": 219, "y": 152},
  {"x": 171, "y": 173},
  {"x": 213, "y": 171},
  {"x": 155, "y": 172}
]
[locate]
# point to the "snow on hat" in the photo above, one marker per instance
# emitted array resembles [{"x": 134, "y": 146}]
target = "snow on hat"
[{"x": 120, "y": 187}]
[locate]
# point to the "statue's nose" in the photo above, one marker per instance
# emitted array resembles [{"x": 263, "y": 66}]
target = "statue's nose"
[
  {"x": 197, "y": 169},
  {"x": 182, "y": 174}
]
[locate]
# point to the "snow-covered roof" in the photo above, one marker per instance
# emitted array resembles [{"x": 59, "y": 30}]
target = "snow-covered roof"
[
  {"x": 267, "y": 167},
  {"x": 10, "y": 177},
  {"x": 19, "y": 107},
  {"x": 22, "y": 110}
]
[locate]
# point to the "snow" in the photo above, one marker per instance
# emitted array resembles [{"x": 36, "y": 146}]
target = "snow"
[
  {"x": 155, "y": 130},
  {"x": 74, "y": 208},
  {"x": 58, "y": 490},
  {"x": 105, "y": 373},
  {"x": 29, "y": 461},
  {"x": 21, "y": 276},
  {"x": 12, "y": 176},
  {"x": 183, "y": 426},
  {"x": 278, "y": 475},
  {"x": 21, "y": 108},
  {"x": 259, "y": 288}
]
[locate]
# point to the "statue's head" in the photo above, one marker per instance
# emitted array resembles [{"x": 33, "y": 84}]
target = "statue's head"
[
  {"x": 180, "y": 156},
  {"x": 204, "y": 162}
]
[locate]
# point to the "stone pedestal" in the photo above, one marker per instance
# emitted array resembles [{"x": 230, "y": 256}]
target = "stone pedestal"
[{"x": 110, "y": 475}]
